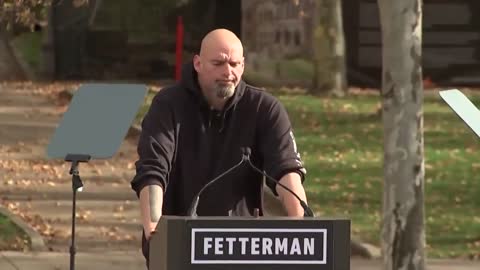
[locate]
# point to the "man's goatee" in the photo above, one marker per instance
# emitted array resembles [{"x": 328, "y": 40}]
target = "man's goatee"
[{"x": 225, "y": 91}]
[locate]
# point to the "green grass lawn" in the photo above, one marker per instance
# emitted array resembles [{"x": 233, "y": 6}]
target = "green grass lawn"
[
  {"x": 342, "y": 146},
  {"x": 341, "y": 141},
  {"x": 12, "y": 237},
  {"x": 29, "y": 46}
]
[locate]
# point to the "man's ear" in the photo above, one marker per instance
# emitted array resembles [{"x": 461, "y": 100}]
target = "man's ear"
[{"x": 196, "y": 62}]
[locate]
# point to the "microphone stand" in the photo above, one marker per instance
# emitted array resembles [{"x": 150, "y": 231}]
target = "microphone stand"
[
  {"x": 192, "y": 211},
  {"x": 307, "y": 211}
]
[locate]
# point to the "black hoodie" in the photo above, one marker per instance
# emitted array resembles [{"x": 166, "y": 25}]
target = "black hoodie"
[{"x": 184, "y": 144}]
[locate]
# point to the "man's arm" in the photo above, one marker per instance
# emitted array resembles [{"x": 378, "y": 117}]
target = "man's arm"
[
  {"x": 281, "y": 157},
  {"x": 151, "y": 202},
  {"x": 294, "y": 182},
  {"x": 156, "y": 146}
]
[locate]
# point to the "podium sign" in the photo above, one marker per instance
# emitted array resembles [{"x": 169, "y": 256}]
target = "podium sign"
[{"x": 257, "y": 243}]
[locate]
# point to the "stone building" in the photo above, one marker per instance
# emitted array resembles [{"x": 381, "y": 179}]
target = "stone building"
[
  {"x": 277, "y": 28},
  {"x": 277, "y": 36}
]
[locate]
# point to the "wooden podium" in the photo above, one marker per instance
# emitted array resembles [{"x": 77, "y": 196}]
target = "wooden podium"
[{"x": 234, "y": 243}]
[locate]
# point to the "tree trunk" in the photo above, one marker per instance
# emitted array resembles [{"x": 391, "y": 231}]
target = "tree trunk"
[
  {"x": 10, "y": 69},
  {"x": 48, "y": 67},
  {"x": 329, "y": 49},
  {"x": 403, "y": 233}
]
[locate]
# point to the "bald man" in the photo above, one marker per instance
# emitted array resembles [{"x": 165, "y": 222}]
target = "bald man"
[{"x": 195, "y": 130}]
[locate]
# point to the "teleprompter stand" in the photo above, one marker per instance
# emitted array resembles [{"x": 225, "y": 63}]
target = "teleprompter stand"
[
  {"x": 93, "y": 127},
  {"x": 77, "y": 185}
]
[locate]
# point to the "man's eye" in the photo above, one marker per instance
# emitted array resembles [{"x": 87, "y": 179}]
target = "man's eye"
[{"x": 234, "y": 64}]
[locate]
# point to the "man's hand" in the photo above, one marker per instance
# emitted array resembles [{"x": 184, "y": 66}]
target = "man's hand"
[
  {"x": 151, "y": 202},
  {"x": 294, "y": 182}
]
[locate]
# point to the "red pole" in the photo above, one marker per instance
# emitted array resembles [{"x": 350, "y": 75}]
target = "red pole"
[{"x": 179, "y": 49}]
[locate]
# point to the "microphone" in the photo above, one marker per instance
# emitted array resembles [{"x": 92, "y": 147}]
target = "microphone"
[
  {"x": 307, "y": 211},
  {"x": 192, "y": 211}
]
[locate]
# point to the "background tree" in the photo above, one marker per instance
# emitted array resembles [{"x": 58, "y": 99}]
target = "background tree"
[
  {"x": 403, "y": 233},
  {"x": 23, "y": 12},
  {"x": 329, "y": 48},
  {"x": 17, "y": 16}
]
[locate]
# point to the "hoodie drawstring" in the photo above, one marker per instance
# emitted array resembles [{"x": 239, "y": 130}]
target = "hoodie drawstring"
[
  {"x": 209, "y": 118},
  {"x": 222, "y": 122}
]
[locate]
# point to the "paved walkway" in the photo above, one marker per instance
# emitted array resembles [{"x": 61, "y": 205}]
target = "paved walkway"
[
  {"x": 61, "y": 261},
  {"x": 127, "y": 261}
]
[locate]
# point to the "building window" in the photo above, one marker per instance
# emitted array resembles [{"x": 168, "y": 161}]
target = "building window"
[
  {"x": 297, "y": 38},
  {"x": 287, "y": 38},
  {"x": 269, "y": 15}
]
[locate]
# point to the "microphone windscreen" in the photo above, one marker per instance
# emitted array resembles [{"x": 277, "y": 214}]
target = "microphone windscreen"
[{"x": 247, "y": 151}]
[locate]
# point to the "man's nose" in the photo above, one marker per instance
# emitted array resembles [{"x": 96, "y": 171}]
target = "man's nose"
[{"x": 227, "y": 70}]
